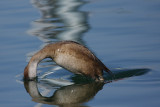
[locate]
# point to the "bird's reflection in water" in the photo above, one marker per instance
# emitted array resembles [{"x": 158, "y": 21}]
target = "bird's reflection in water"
[
  {"x": 77, "y": 92},
  {"x": 66, "y": 96}
]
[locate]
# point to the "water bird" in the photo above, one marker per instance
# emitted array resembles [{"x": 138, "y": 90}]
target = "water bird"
[{"x": 70, "y": 55}]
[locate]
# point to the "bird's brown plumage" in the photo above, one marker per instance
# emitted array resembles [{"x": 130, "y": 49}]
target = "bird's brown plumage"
[{"x": 73, "y": 57}]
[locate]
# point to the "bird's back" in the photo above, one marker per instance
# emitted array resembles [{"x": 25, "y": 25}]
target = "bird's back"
[{"x": 77, "y": 58}]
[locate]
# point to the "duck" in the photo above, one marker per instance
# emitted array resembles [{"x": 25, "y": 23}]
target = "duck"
[{"x": 71, "y": 56}]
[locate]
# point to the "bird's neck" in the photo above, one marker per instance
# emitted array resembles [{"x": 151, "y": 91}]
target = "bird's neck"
[{"x": 30, "y": 71}]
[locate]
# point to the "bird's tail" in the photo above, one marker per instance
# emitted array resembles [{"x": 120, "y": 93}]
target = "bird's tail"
[{"x": 107, "y": 70}]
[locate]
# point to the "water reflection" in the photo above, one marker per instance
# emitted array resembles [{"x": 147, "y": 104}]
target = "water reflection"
[
  {"x": 60, "y": 19},
  {"x": 76, "y": 94},
  {"x": 67, "y": 96}
]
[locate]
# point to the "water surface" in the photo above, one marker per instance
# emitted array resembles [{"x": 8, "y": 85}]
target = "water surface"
[{"x": 123, "y": 34}]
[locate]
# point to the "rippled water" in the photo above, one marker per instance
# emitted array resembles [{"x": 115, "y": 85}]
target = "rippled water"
[{"x": 124, "y": 34}]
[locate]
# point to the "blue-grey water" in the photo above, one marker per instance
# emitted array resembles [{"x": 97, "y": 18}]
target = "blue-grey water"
[{"x": 124, "y": 35}]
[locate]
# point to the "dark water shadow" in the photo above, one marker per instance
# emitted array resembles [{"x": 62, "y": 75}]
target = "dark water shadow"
[
  {"x": 82, "y": 90},
  {"x": 118, "y": 75}
]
